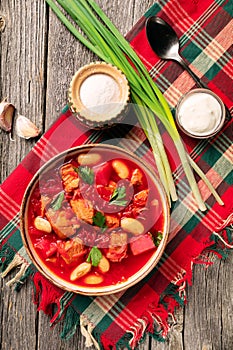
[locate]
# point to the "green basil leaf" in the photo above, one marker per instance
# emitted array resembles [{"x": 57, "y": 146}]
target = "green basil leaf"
[
  {"x": 94, "y": 256},
  {"x": 158, "y": 239},
  {"x": 99, "y": 219},
  {"x": 86, "y": 174},
  {"x": 118, "y": 196},
  {"x": 57, "y": 201}
]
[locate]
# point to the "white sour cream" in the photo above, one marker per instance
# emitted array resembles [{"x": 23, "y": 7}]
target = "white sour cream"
[{"x": 200, "y": 113}]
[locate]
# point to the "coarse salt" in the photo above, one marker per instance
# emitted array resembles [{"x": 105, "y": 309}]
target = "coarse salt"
[{"x": 99, "y": 89}]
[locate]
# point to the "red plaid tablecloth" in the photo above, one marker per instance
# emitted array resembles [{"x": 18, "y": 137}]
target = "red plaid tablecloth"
[{"x": 205, "y": 29}]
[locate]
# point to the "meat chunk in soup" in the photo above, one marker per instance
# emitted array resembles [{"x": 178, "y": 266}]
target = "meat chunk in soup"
[
  {"x": 140, "y": 198},
  {"x": 136, "y": 178},
  {"x": 45, "y": 200},
  {"x": 83, "y": 209},
  {"x": 63, "y": 222},
  {"x": 118, "y": 247},
  {"x": 112, "y": 221},
  {"x": 69, "y": 177},
  {"x": 72, "y": 250}
]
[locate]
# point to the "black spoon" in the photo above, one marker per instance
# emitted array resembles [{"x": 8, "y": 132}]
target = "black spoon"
[{"x": 165, "y": 43}]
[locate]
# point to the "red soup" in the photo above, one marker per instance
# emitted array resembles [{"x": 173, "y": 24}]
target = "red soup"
[{"x": 95, "y": 219}]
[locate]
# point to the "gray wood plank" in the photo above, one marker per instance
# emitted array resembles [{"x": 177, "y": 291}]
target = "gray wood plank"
[
  {"x": 22, "y": 64},
  {"x": 208, "y": 315},
  {"x": 22, "y": 82},
  {"x": 38, "y": 59},
  {"x": 18, "y": 318}
]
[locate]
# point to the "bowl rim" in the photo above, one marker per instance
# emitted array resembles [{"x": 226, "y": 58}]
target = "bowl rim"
[
  {"x": 94, "y": 290},
  {"x": 207, "y": 134}
]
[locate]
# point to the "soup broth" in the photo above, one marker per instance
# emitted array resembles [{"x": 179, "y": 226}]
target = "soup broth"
[{"x": 95, "y": 219}]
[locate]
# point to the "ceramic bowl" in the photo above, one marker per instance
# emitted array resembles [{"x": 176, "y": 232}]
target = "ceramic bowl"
[
  {"x": 98, "y": 95},
  {"x": 200, "y": 113},
  {"x": 44, "y": 178}
]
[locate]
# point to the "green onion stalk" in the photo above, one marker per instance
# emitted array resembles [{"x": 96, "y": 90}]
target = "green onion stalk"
[{"x": 104, "y": 40}]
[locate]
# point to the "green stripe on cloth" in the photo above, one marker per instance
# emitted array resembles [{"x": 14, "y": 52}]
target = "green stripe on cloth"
[
  {"x": 16, "y": 240},
  {"x": 123, "y": 319},
  {"x": 81, "y": 302},
  {"x": 153, "y": 10},
  {"x": 10, "y": 227},
  {"x": 212, "y": 71}
]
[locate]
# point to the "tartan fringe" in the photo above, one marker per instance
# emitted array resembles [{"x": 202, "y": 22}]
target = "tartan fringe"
[
  {"x": 29, "y": 272},
  {"x": 71, "y": 322},
  {"x": 19, "y": 275},
  {"x": 224, "y": 233},
  {"x": 156, "y": 320},
  {"x": 10, "y": 265},
  {"x": 86, "y": 329},
  {"x": 6, "y": 257},
  {"x": 46, "y": 296},
  {"x": 11, "y": 260},
  {"x": 223, "y": 240}
]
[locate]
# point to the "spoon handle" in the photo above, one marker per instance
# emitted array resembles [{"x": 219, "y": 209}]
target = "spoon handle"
[{"x": 198, "y": 81}]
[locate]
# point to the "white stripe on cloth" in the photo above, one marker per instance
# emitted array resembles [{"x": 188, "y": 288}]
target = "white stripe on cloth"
[
  {"x": 15, "y": 221},
  {"x": 227, "y": 154},
  {"x": 44, "y": 150},
  {"x": 111, "y": 305},
  {"x": 10, "y": 207},
  {"x": 8, "y": 212}
]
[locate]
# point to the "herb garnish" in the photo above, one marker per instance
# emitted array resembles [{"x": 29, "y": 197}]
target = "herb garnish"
[
  {"x": 99, "y": 220},
  {"x": 158, "y": 239},
  {"x": 94, "y": 256},
  {"x": 118, "y": 196},
  {"x": 86, "y": 174},
  {"x": 57, "y": 201}
]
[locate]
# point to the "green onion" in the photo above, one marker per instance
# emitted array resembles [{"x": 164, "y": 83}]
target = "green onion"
[
  {"x": 104, "y": 39},
  {"x": 206, "y": 181}
]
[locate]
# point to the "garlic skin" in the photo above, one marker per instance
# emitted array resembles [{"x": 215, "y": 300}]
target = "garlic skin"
[
  {"x": 25, "y": 128},
  {"x": 6, "y": 115},
  {"x": 2, "y": 23}
]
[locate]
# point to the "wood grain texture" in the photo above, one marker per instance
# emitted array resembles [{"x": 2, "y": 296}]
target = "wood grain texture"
[{"x": 38, "y": 57}]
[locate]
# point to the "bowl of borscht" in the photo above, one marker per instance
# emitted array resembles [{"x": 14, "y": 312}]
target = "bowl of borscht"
[{"x": 95, "y": 219}]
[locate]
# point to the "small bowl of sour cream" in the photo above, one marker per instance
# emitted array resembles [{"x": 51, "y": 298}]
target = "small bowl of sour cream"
[{"x": 200, "y": 113}]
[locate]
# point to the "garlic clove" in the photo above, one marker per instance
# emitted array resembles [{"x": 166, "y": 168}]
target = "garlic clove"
[
  {"x": 6, "y": 115},
  {"x": 26, "y": 128},
  {"x": 2, "y": 23}
]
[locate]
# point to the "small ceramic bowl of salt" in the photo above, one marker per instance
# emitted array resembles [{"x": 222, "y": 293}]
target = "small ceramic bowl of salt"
[
  {"x": 200, "y": 113},
  {"x": 98, "y": 95}
]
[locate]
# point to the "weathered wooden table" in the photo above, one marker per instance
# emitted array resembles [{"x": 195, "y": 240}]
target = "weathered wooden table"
[{"x": 38, "y": 58}]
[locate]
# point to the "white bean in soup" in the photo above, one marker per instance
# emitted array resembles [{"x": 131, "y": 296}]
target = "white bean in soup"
[
  {"x": 121, "y": 169},
  {"x": 42, "y": 224},
  {"x": 89, "y": 158},
  {"x": 132, "y": 225},
  {"x": 93, "y": 279},
  {"x": 80, "y": 271}
]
